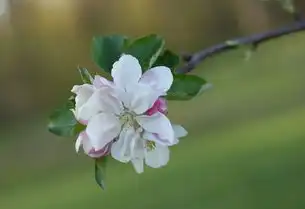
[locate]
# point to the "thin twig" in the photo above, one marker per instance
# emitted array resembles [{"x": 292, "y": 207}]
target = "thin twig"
[{"x": 191, "y": 61}]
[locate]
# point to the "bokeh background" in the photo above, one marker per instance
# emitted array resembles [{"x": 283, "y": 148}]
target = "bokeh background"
[{"x": 246, "y": 143}]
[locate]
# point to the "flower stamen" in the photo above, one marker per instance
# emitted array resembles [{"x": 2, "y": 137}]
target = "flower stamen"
[
  {"x": 150, "y": 145},
  {"x": 128, "y": 120}
]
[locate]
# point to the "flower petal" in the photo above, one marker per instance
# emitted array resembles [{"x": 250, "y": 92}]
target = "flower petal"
[
  {"x": 100, "y": 101},
  {"x": 99, "y": 153},
  {"x": 84, "y": 90},
  {"x": 138, "y": 164},
  {"x": 83, "y": 93},
  {"x": 102, "y": 129},
  {"x": 155, "y": 138},
  {"x": 157, "y": 124},
  {"x": 160, "y": 105},
  {"x": 100, "y": 82},
  {"x": 87, "y": 147},
  {"x": 137, "y": 154},
  {"x": 79, "y": 141},
  {"x": 126, "y": 71},
  {"x": 142, "y": 98},
  {"x": 159, "y": 78},
  {"x": 179, "y": 131},
  {"x": 121, "y": 149},
  {"x": 157, "y": 157}
]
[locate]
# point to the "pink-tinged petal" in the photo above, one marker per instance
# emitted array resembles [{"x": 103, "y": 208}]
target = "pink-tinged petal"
[
  {"x": 159, "y": 106},
  {"x": 158, "y": 157},
  {"x": 158, "y": 124},
  {"x": 102, "y": 129},
  {"x": 126, "y": 71},
  {"x": 89, "y": 150},
  {"x": 84, "y": 122},
  {"x": 100, "y": 82},
  {"x": 159, "y": 78},
  {"x": 100, "y": 153}
]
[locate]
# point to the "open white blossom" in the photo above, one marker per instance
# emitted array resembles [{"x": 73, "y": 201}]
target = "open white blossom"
[{"x": 127, "y": 116}]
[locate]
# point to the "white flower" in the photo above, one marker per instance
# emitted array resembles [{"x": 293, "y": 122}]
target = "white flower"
[{"x": 116, "y": 114}]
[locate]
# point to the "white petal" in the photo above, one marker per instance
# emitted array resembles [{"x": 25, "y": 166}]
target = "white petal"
[
  {"x": 155, "y": 138},
  {"x": 126, "y": 71},
  {"x": 179, "y": 131},
  {"x": 83, "y": 93},
  {"x": 102, "y": 129},
  {"x": 123, "y": 96},
  {"x": 100, "y": 82},
  {"x": 138, "y": 165},
  {"x": 157, "y": 124},
  {"x": 100, "y": 101},
  {"x": 138, "y": 153},
  {"x": 83, "y": 89},
  {"x": 79, "y": 141},
  {"x": 142, "y": 98},
  {"x": 121, "y": 149},
  {"x": 137, "y": 147},
  {"x": 159, "y": 78},
  {"x": 158, "y": 157},
  {"x": 87, "y": 147}
]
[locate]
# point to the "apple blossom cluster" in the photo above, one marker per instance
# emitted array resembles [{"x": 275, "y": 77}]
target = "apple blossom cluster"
[{"x": 126, "y": 118}]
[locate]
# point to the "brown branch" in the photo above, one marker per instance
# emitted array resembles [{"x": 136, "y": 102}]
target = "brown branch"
[{"x": 193, "y": 60}]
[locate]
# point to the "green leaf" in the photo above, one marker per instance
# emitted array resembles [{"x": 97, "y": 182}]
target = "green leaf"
[
  {"x": 146, "y": 49},
  {"x": 71, "y": 102},
  {"x": 85, "y": 75},
  {"x": 100, "y": 168},
  {"x": 185, "y": 87},
  {"x": 106, "y": 50},
  {"x": 168, "y": 59},
  {"x": 63, "y": 123}
]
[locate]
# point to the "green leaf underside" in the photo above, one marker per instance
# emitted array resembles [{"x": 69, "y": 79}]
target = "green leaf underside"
[
  {"x": 168, "y": 59},
  {"x": 146, "y": 49},
  {"x": 106, "y": 50},
  {"x": 71, "y": 102},
  {"x": 100, "y": 169},
  {"x": 185, "y": 87},
  {"x": 85, "y": 75},
  {"x": 62, "y": 121}
]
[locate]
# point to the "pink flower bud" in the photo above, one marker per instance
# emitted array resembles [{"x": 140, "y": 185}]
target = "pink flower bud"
[{"x": 160, "y": 105}]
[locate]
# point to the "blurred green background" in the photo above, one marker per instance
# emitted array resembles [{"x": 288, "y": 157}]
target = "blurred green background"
[{"x": 246, "y": 143}]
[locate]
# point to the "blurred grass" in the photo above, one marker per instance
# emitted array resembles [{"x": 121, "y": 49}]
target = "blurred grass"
[{"x": 246, "y": 147}]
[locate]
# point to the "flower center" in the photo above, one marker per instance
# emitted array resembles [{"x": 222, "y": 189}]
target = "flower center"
[
  {"x": 128, "y": 120},
  {"x": 150, "y": 145}
]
